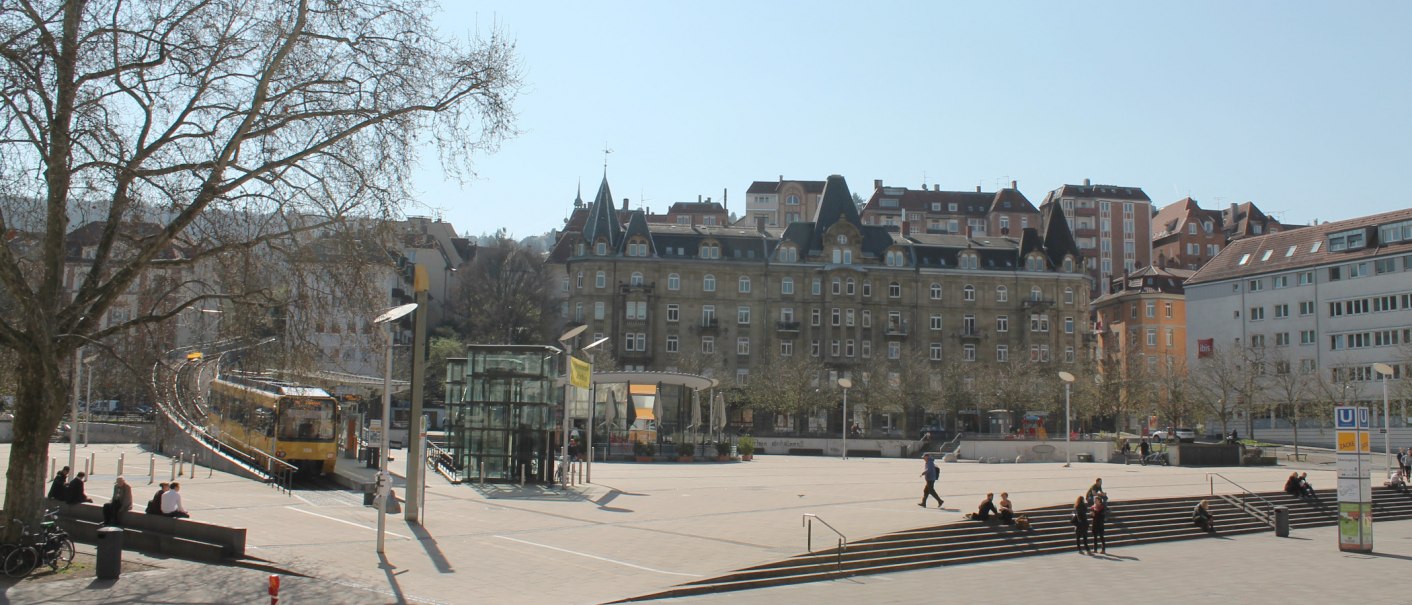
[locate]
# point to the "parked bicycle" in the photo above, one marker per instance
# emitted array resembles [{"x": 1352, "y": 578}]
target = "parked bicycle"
[{"x": 49, "y": 546}]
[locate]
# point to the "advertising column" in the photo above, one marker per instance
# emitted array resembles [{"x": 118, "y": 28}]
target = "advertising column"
[{"x": 1355, "y": 489}]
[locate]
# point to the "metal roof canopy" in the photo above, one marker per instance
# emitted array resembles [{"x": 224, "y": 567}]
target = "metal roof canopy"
[{"x": 690, "y": 381}]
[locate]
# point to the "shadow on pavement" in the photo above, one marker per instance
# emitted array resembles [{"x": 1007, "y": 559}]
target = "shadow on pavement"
[{"x": 433, "y": 549}]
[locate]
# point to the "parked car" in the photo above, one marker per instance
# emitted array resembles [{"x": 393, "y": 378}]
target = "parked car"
[{"x": 1184, "y": 435}]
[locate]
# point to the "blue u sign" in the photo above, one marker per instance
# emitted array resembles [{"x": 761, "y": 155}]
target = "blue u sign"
[{"x": 1345, "y": 418}]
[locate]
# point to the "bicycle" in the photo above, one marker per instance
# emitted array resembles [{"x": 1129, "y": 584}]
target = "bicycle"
[{"x": 49, "y": 546}]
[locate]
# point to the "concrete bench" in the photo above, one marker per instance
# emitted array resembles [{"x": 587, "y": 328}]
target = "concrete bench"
[
  {"x": 1297, "y": 457},
  {"x": 157, "y": 533}
]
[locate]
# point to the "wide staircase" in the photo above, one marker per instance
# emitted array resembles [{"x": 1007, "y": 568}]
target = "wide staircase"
[{"x": 1130, "y": 523}]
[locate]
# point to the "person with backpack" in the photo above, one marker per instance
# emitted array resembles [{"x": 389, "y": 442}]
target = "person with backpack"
[{"x": 931, "y": 473}]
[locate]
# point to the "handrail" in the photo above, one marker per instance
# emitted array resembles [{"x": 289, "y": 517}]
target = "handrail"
[
  {"x": 1269, "y": 519},
  {"x": 436, "y": 460},
  {"x": 808, "y": 521}
]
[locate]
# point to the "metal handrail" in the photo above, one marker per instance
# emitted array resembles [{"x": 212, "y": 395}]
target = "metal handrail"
[
  {"x": 808, "y": 521},
  {"x": 1269, "y": 519},
  {"x": 436, "y": 457}
]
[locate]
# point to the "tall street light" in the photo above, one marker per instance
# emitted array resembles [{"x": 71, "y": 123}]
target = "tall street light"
[
  {"x": 1068, "y": 434},
  {"x": 384, "y": 479},
  {"x": 845, "y": 383},
  {"x": 1386, "y": 371},
  {"x": 567, "y": 340},
  {"x": 592, "y": 403}
]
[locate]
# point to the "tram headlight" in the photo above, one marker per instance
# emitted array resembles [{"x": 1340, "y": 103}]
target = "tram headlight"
[{"x": 279, "y": 453}]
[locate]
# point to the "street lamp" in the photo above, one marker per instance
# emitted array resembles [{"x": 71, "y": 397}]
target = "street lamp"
[
  {"x": 845, "y": 383},
  {"x": 384, "y": 479},
  {"x": 567, "y": 340},
  {"x": 1068, "y": 434},
  {"x": 592, "y": 404},
  {"x": 1386, "y": 371}
]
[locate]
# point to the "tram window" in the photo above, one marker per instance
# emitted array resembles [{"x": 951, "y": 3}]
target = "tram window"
[
  {"x": 262, "y": 422},
  {"x": 306, "y": 420}
]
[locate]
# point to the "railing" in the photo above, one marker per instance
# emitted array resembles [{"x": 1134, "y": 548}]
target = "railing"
[
  {"x": 787, "y": 326},
  {"x": 896, "y": 329},
  {"x": 1268, "y": 519},
  {"x": 971, "y": 333},
  {"x": 808, "y": 521},
  {"x": 440, "y": 460}
]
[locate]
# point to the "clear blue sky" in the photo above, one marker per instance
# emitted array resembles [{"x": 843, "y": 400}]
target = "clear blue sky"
[{"x": 1304, "y": 108}]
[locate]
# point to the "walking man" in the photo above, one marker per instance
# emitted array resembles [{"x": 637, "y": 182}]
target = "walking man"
[{"x": 931, "y": 473}]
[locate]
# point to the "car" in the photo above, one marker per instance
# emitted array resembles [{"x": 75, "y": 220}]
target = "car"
[{"x": 1184, "y": 435}]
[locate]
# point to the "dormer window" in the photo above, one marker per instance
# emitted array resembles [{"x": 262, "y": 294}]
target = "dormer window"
[
  {"x": 788, "y": 254},
  {"x": 601, "y": 248},
  {"x": 792, "y": 200},
  {"x": 1347, "y": 240},
  {"x": 969, "y": 260},
  {"x": 842, "y": 239},
  {"x": 1068, "y": 264},
  {"x": 894, "y": 258},
  {"x": 1207, "y": 226},
  {"x": 710, "y": 250}
]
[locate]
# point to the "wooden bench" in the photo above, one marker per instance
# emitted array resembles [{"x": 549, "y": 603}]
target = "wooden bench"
[
  {"x": 1297, "y": 457},
  {"x": 159, "y": 534}
]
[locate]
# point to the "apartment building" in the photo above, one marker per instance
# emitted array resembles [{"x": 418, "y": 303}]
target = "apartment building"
[
  {"x": 782, "y": 202},
  {"x": 975, "y": 213},
  {"x": 1188, "y": 236},
  {"x": 1112, "y": 226}
]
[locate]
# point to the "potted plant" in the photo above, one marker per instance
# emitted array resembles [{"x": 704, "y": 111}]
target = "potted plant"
[
  {"x": 745, "y": 446},
  {"x": 686, "y": 452},
  {"x": 723, "y": 451},
  {"x": 644, "y": 451}
]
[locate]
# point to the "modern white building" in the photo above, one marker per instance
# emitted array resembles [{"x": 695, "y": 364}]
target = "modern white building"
[{"x": 1328, "y": 300}]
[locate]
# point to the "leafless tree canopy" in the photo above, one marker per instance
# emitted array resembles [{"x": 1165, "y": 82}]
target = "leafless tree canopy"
[{"x": 220, "y": 124}]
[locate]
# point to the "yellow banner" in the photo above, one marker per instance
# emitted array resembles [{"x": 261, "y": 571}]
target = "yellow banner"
[{"x": 580, "y": 373}]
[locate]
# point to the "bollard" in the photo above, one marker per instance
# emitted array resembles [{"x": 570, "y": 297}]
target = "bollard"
[
  {"x": 482, "y": 473},
  {"x": 86, "y": 469},
  {"x": 51, "y": 467},
  {"x": 522, "y": 476},
  {"x": 110, "y": 553},
  {"x": 181, "y": 464},
  {"x": 173, "y": 461},
  {"x": 92, "y": 462},
  {"x": 274, "y": 589},
  {"x": 151, "y": 468},
  {"x": 122, "y": 459}
]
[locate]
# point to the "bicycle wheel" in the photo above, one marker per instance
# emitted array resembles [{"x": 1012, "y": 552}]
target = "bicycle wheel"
[
  {"x": 60, "y": 555},
  {"x": 20, "y": 561}
]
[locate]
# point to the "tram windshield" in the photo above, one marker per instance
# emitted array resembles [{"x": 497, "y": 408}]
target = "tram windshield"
[{"x": 306, "y": 419}]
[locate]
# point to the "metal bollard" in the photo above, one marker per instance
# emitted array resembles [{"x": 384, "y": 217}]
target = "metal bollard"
[
  {"x": 173, "y": 461},
  {"x": 181, "y": 464},
  {"x": 482, "y": 473},
  {"x": 51, "y": 466},
  {"x": 122, "y": 459},
  {"x": 151, "y": 468},
  {"x": 86, "y": 469},
  {"x": 92, "y": 462},
  {"x": 522, "y": 476}
]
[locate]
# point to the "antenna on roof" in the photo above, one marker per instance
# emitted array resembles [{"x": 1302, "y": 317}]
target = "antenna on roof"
[
  {"x": 606, "y": 151},
  {"x": 924, "y": 180}
]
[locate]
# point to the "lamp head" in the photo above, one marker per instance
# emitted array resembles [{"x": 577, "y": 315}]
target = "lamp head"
[
  {"x": 572, "y": 332},
  {"x": 395, "y": 313},
  {"x": 846, "y": 383},
  {"x": 1066, "y": 377},
  {"x": 1384, "y": 369},
  {"x": 595, "y": 343}
]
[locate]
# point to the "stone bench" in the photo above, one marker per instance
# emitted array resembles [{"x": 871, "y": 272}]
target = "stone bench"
[{"x": 160, "y": 534}]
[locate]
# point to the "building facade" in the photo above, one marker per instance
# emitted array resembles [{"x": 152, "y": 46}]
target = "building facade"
[
  {"x": 975, "y": 213},
  {"x": 1112, "y": 225},
  {"x": 1326, "y": 301},
  {"x": 782, "y": 202},
  {"x": 835, "y": 289},
  {"x": 1143, "y": 320},
  {"x": 1186, "y": 236}
]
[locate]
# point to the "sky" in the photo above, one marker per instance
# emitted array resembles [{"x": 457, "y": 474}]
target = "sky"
[{"x": 1304, "y": 108}]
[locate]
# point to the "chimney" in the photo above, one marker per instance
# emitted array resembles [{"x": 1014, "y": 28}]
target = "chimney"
[
  {"x": 781, "y": 178},
  {"x": 906, "y": 228},
  {"x": 1014, "y": 184},
  {"x": 978, "y": 188},
  {"x": 725, "y": 201},
  {"x": 936, "y": 187},
  {"x": 1085, "y": 182},
  {"x": 1234, "y": 218},
  {"x": 877, "y": 183},
  {"x": 970, "y": 231},
  {"x": 625, "y": 203},
  {"x": 698, "y": 198}
]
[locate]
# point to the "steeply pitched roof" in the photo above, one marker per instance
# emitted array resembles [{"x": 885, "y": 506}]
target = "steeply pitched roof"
[
  {"x": 1107, "y": 192},
  {"x": 603, "y": 220},
  {"x": 1058, "y": 239},
  {"x": 1295, "y": 249},
  {"x": 637, "y": 225},
  {"x": 836, "y": 205}
]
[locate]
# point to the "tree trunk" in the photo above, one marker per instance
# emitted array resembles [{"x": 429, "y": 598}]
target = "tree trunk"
[{"x": 39, "y": 405}]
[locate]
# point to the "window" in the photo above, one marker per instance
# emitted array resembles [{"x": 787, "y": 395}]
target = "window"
[
  {"x": 894, "y": 350},
  {"x": 635, "y": 279},
  {"x": 814, "y": 348},
  {"x": 848, "y": 348},
  {"x": 1002, "y": 353},
  {"x": 816, "y": 287},
  {"x": 787, "y": 314},
  {"x": 968, "y": 293},
  {"x": 1257, "y": 313},
  {"x": 742, "y": 346},
  {"x": 786, "y": 348},
  {"x": 1335, "y": 273},
  {"x": 635, "y": 309},
  {"x": 848, "y": 317},
  {"x": 1281, "y": 311},
  {"x": 835, "y": 317},
  {"x": 1167, "y": 310},
  {"x": 1257, "y": 285},
  {"x": 1280, "y": 281},
  {"x": 710, "y": 251},
  {"x": 837, "y": 286},
  {"x": 1068, "y": 325},
  {"x": 1384, "y": 265},
  {"x": 935, "y": 351},
  {"x": 935, "y": 321},
  {"x": 787, "y": 286},
  {"x": 708, "y": 283},
  {"x": 600, "y": 280},
  {"x": 894, "y": 290},
  {"x": 1068, "y": 354},
  {"x": 578, "y": 282},
  {"x": 598, "y": 311},
  {"x": 673, "y": 282},
  {"x": 600, "y": 249},
  {"x": 744, "y": 285},
  {"x": 936, "y": 291},
  {"x": 968, "y": 352},
  {"x": 1036, "y": 294},
  {"x": 578, "y": 311},
  {"x": 867, "y": 288},
  {"x": 1002, "y": 323},
  {"x": 848, "y": 287},
  {"x": 1002, "y": 294},
  {"x": 673, "y": 343},
  {"x": 1171, "y": 337},
  {"x": 1257, "y": 340},
  {"x": 968, "y": 325},
  {"x": 1150, "y": 310},
  {"x": 1282, "y": 339},
  {"x": 742, "y": 315},
  {"x": 835, "y": 347},
  {"x": 1306, "y": 307},
  {"x": 708, "y": 315},
  {"x": 1039, "y": 322},
  {"x": 1151, "y": 337},
  {"x": 814, "y": 317},
  {"x": 1346, "y": 240},
  {"x": 708, "y": 344},
  {"x": 673, "y": 313},
  {"x": 1191, "y": 228},
  {"x": 867, "y": 348},
  {"x": 1069, "y": 296}
]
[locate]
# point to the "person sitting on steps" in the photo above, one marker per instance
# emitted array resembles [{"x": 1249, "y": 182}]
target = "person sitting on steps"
[
  {"x": 986, "y": 509},
  {"x": 1306, "y": 491},
  {"x": 1292, "y": 485},
  {"x": 1006, "y": 510},
  {"x": 1201, "y": 516}
]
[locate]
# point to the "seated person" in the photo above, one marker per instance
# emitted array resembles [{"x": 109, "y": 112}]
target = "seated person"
[
  {"x": 986, "y": 509},
  {"x": 1306, "y": 490},
  {"x": 1201, "y": 516},
  {"x": 74, "y": 493},
  {"x": 1006, "y": 510},
  {"x": 1292, "y": 485},
  {"x": 171, "y": 503}
]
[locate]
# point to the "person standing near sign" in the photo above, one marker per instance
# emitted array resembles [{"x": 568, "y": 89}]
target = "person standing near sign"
[{"x": 930, "y": 473}]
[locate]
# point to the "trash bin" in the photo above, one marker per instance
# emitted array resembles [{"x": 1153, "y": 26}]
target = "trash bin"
[
  {"x": 1084, "y": 457},
  {"x": 110, "y": 553},
  {"x": 904, "y": 451},
  {"x": 1282, "y": 521}
]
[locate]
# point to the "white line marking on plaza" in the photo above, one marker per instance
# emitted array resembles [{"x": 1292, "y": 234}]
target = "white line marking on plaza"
[
  {"x": 300, "y": 510},
  {"x": 581, "y": 554}
]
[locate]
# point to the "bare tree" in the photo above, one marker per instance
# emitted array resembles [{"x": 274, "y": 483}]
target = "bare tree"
[
  {"x": 226, "y": 126},
  {"x": 1293, "y": 392},
  {"x": 504, "y": 297},
  {"x": 1172, "y": 395},
  {"x": 787, "y": 385},
  {"x": 1224, "y": 382}
]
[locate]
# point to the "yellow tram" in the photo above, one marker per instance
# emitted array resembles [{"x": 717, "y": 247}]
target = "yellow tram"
[{"x": 294, "y": 423}]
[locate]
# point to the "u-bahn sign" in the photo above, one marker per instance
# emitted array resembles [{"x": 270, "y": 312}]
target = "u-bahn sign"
[{"x": 1355, "y": 489}]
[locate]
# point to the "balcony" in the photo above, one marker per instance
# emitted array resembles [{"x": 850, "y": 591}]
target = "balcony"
[
  {"x": 787, "y": 326},
  {"x": 896, "y": 328},
  {"x": 642, "y": 287},
  {"x": 969, "y": 334},
  {"x": 709, "y": 325},
  {"x": 1030, "y": 303}
]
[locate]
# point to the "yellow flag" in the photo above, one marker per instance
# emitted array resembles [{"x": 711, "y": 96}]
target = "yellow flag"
[{"x": 580, "y": 373}]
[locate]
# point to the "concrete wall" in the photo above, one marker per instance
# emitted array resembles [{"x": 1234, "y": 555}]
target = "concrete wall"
[
  {"x": 98, "y": 432},
  {"x": 1009, "y": 450},
  {"x": 890, "y": 448}
]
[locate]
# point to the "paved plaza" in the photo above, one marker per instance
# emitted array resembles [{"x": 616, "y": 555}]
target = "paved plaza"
[{"x": 641, "y": 528}]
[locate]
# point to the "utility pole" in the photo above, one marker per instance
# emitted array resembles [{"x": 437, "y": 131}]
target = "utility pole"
[{"x": 416, "y": 447}]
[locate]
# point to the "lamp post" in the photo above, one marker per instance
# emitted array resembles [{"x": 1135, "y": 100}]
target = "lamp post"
[
  {"x": 1068, "y": 434},
  {"x": 384, "y": 479},
  {"x": 592, "y": 404},
  {"x": 1386, "y": 371},
  {"x": 845, "y": 383},
  {"x": 567, "y": 340}
]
